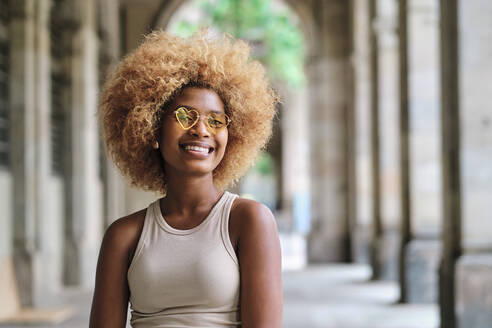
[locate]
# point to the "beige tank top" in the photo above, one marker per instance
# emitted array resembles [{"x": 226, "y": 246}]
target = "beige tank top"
[{"x": 185, "y": 278}]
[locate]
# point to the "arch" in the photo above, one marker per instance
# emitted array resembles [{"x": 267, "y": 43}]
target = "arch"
[
  {"x": 168, "y": 8},
  {"x": 163, "y": 15}
]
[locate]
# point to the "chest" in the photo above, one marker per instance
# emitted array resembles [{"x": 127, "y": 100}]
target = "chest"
[
  {"x": 190, "y": 223},
  {"x": 174, "y": 273}
]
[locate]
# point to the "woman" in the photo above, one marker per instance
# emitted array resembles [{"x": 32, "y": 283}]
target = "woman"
[{"x": 187, "y": 118}]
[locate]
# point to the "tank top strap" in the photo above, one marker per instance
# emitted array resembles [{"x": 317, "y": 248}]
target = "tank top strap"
[
  {"x": 148, "y": 221},
  {"x": 224, "y": 225}
]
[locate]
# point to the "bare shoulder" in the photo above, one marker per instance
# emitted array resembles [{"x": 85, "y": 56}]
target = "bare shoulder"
[
  {"x": 111, "y": 292},
  {"x": 123, "y": 234},
  {"x": 250, "y": 208},
  {"x": 260, "y": 262},
  {"x": 253, "y": 218}
]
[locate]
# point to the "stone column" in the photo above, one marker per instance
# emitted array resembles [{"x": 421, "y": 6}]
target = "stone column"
[
  {"x": 109, "y": 26},
  {"x": 294, "y": 216},
  {"x": 61, "y": 34},
  {"x": 474, "y": 268},
  {"x": 451, "y": 171},
  {"x": 31, "y": 146},
  {"x": 328, "y": 75},
  {"x": 389, "y": 138},
  {"x": 361, "y": 61},
  {"x": 5, "y": 175},
  {"x": 23, "y": 144},
  {"x": 405, "y": 227},
  {"x": 84, "y": 193},
  {"x": 422, "y": 250},
  {"x": 376, "y": 230},
  {"x": 48, "y": 275},
  {"x": 295, "y": 161}
]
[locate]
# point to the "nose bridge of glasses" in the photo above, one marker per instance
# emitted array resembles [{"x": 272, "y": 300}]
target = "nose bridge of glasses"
[{"x": 202, "y": 120}]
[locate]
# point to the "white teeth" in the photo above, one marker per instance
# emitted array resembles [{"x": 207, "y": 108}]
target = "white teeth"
[{"x": 196, "y": 148}]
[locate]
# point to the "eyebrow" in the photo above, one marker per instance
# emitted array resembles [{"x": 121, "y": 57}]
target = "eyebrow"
[{"x": 191, "y": 107}]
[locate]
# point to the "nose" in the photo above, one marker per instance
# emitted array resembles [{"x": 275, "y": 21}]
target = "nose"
[{"x": 200, "y": 129}]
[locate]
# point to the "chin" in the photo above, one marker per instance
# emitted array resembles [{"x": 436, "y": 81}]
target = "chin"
[{"x": 197, "y": 169}]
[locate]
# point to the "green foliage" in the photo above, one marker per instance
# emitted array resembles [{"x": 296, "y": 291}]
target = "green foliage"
[
  {"x": 265, "y": 164},
  {"x": 276, "y": 40}
]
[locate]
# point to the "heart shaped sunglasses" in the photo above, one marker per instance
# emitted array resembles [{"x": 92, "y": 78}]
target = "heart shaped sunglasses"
[{"x": 187, "y": 118}]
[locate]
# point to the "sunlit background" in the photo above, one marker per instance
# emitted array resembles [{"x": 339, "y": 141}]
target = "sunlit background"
[{"x": 379, "y": 171}]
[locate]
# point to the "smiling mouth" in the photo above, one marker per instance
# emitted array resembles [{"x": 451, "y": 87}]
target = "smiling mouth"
[{"x": 197, "y": 149}]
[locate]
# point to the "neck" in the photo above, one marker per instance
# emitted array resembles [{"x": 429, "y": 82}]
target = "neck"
[{"x": 190, "y": 192}]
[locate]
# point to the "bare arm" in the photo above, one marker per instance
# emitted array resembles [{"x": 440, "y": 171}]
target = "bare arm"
[
  {"x": 260, "y": 262},
  {"x": 110, "y": 300}
]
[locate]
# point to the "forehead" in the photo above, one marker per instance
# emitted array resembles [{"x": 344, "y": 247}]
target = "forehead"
[{"x": 201, "y": 99}]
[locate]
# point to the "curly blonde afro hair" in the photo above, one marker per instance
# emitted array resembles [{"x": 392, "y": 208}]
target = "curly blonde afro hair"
[{"x": 134, "y": 98}]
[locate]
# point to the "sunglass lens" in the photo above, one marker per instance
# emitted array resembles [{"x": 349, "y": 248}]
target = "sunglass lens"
[
  {"x": 217, "y": 121},
  {"x": 185, "y": 117}
]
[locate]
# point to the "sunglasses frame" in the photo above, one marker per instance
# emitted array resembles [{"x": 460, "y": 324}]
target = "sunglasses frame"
[{"x": 198, "y": 115}]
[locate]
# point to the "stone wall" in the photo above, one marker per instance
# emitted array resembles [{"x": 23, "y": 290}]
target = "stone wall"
[
  {"x": 475, "y": 69},
  {"x": 328, "y": 75},
  {"x": 473, "y": 270},
  {"x": 40, "y": 199}
]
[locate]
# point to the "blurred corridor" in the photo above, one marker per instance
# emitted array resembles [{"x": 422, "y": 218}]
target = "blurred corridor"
[
  {"x": 379, "y": 171},
  {"x": 322, "y": 296}
]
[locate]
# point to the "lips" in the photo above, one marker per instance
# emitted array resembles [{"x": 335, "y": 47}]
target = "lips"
[{"x": 196, "y": 147}]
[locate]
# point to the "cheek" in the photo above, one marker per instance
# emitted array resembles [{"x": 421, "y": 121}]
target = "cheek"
[
  {"x": 170, "y": 133},
  {"x": 223, "y": 139},
  {"x": 167, "y": 141}
]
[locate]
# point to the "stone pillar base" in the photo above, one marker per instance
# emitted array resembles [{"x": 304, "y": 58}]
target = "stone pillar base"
[
  {"x": 474, "y": 290},
  {"x": 327, "y": 249},
  {"x": 80, "y": 265},
  {"x": 387, "y": 254},
  {"x": 422, "y": 270},
  {"x": 361, "y": 244}
]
